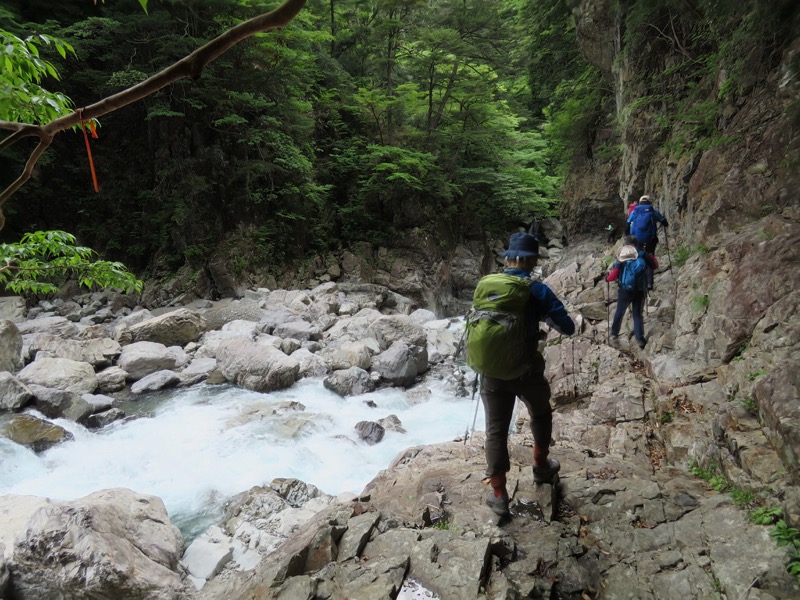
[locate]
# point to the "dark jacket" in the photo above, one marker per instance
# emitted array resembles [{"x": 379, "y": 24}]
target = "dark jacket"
[{"x": 547, "y": 305}]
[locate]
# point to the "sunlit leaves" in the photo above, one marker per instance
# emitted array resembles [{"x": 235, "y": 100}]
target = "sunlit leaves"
[
  {"x": 22, "y": 70},
  {"x": 43, "y": 259}
]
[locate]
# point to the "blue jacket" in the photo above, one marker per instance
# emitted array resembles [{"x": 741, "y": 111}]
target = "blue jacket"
[
  {"x": 655, "y": 215},
  {"x": 547, "y": 305}
]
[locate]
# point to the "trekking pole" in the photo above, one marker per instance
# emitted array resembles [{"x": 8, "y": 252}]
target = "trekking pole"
[
  {"x": 574, "y": 372},
  {"x": 608, "y": 312},
  {"x": 644, "y": 307},
  {"x": 467, "y": 434},
  {"x": 666, "y": 243}
]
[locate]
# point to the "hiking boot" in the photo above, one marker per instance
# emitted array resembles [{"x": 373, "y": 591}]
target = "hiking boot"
[
  {"x": 642, "y": 343},
  {"x": 547, "y": 473},
  {"x": 498, "y": 504}
]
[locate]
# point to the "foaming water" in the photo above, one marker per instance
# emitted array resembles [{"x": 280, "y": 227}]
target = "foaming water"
[{"x": 198, "y": 446}]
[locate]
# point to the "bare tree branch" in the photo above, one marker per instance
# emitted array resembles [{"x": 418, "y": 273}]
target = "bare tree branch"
[{"x": 190, "y": 66}]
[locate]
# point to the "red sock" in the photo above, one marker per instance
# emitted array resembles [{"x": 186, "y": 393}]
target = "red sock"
[
  {"x": 498, "y": 483},
  {"x": 540, "y": 455}
]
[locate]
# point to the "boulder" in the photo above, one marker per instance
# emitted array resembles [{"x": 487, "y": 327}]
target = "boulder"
[
  {"x": 349, "y": 382},
  {"x": 198, "y": 370},
  {"x": 59, "y": 326},
  {"x": 299, "y": 330},
  {"x": 13, "y": 393},
  {"x": 400, "y": 364},
  {"x": 370, "y": 431},
  {"x": 97, "y": 352},
  {"x": 12, "y": 308},
  {"x": 156, "y": 381},
  {"x": 311, "y": 364},
  {"x": 343, "y": 354},
  {"x": 142, "y": 358},
  {"x": 111, "y": 380},
  {"x": 258, "y": 367},
  {"x": 393, "y": 328},
  {"x": 106, "y": 417},
  {"x": 61, "y": 374},
  {"x": 110, "y": 544},
  {"x": 64, "y": 404},
  {"x": 176, "y": 328},
  {"x": 34, "y": 433},
  {"x": 10, "y": 347}
]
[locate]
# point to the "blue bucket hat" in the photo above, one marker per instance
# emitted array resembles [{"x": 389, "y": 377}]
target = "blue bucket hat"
[{"x": 521, "y": 245}]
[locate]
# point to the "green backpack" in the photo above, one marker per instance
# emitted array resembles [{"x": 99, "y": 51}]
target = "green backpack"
[{"x": 498, "y": 340}]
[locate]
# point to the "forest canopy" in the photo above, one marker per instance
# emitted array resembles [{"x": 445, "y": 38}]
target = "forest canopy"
[{"x": 356, "y": 122}]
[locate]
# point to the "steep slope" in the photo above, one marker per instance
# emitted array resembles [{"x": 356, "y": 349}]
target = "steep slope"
[{"x": 709, "y": 127}]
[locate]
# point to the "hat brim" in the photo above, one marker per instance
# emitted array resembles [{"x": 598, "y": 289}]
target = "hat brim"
[
  {"x": 627, "y": 253},
  {"x": 515, "y": 253}
]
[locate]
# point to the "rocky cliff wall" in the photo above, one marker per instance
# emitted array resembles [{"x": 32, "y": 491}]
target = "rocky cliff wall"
[
  {"x": 717, "y": 147},
  {"x": 721, "y": 157}
]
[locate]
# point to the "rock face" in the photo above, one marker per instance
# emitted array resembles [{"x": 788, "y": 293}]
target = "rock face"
[
  {"x": 110, "y": 544},
  {"x": 617, "y": 531},
  {"x": 10, "y": 346}
]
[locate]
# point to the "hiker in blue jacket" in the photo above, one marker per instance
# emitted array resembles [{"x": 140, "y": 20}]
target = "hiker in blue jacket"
[
  {"x": 643, "y": 225},
  {"x": 532, "y": 388},
  {"x": 631, "y": 287}
]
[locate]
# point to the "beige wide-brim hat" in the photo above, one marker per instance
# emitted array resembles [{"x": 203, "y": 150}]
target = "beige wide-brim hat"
[{"x": 627, "y": 253}]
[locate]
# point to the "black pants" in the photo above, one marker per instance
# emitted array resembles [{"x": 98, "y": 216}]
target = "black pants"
[
  {"x": 499, "y": 397},
  {"x": 635, "y": 300},
  {"x": 650, "y": 248}
]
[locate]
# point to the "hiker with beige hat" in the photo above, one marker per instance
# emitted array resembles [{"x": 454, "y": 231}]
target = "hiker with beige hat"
[{"x": 630, "y": 269}]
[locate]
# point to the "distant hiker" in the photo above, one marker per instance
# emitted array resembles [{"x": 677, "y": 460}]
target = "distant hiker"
[
  {"x": 611, "y": 228},
  {"x": 502, "y": 346},
  {"x": 631, "y": 269},
  {"x": 643, "y": 221},
  {"x": 631, "y": 206}
]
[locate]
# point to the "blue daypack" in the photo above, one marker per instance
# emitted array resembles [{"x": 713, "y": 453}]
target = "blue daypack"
[
  {"x": 634, "y": 274},
  {"x": 643, "y": 223}
]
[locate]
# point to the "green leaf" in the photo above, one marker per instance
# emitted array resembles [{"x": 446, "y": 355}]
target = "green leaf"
[{"x": 43, "y": 257}]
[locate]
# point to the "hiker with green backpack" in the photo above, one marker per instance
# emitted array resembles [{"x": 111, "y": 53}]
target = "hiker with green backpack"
[
  {"x": 502, "y": 338},
  {"x": 630, "y": 268}
]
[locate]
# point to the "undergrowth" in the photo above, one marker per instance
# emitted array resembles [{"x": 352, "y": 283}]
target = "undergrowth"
[{"x": 749, "y": 499}]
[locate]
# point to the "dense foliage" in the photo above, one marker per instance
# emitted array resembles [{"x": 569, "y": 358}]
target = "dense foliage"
[
  {"x": 44, "y": 258},
  {"x": 359, "y": 121}
]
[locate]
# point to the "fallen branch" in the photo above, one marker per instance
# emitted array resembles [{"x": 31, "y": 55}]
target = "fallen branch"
[{"x": 190, "y": 66}]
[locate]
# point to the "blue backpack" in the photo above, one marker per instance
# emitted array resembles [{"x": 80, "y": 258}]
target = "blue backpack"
[
  {"x": 634, "y": 274},
  {"x": 643, "y": 223}
]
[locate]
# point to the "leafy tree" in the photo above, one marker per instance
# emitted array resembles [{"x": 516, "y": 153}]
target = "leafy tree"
[
  {"x": 357, "y": 119},
  {"x": 189, "y": 66},
  {"x": 42, "y": 257}
]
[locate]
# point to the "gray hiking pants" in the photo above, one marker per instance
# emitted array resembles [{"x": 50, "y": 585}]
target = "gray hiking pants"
[{"x": 499, "y": 397}]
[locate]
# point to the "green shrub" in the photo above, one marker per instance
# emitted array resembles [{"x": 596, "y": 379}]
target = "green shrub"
[
  {"x": 710, "y": 474},
  {"x": 750, "y": 405},
  {"x": 682, "y": 254},
  {"x": 765, "y": 515},
  {"x": 700, "y": 302}
]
